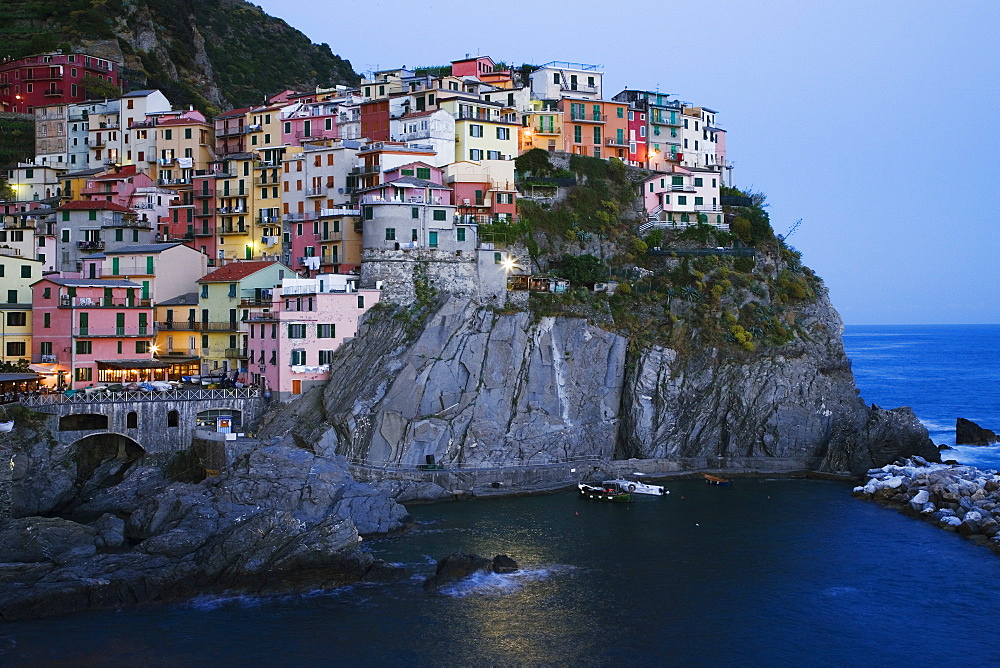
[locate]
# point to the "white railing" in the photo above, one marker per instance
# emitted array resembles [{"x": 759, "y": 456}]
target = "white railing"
[
  {"x": 104, "y": 397},
  {"x": 538, "y": 460}
]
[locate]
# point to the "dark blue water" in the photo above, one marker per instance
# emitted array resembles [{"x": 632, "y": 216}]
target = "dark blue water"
[
  {"x": 786, "y": 572},
  {"x": 943, "y": 372}
]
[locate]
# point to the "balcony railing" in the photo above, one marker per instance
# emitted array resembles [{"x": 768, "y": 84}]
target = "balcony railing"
[
  {"x": 301, "y": 216},
  {"x": 65, "y": 301},
  {"x": 588, "y": 118},
  {"x": 90, "y": 245},
  {"x": 542, "y": 130},
  {"x": 323, "y": 260},
  {"x": 316, "y": 192},
  {"x": 230, "y": 132},
  {"x": 204, "y": 192},
  {"x": 231, "y": 229},
  {"x": 196, "y": 326},
  {"x": 339, "y": 211},
  {"x": 230, "y": 210},
  {"x": 53, "y": 92},
  {"x": 616, "y": 141},
  {"x": 236, "y": 353},
  {"x": 268, "y": 219},
  {"x": 139, "y": 395},
  {"x": 113, "y": 332}
]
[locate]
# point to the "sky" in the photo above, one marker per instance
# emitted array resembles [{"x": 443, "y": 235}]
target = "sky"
[{"x": 873, "y": 122}]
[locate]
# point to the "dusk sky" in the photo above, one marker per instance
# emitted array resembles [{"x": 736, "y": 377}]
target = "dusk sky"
[{"x": 873, "y": 122}]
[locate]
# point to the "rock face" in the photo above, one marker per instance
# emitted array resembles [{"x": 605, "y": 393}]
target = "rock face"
[
  {"x": 968, "y": 432},
  {"x": 280, "y": 518},
  {"x": 470, "y": 387}
]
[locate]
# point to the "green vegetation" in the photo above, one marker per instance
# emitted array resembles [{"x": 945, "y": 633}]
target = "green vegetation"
[
  {"x": 433, "y": 71},
  {"x": 582, "y": 270},
  {"x": 17, "y": 139},
  {"x": 100, "y": 89},
  {"x": 252, "y": 55}
]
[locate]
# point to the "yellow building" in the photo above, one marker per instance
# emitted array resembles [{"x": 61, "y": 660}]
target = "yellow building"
[
  {"x": 184, "y": 143},
  {"x": 541, "y": 127},
  {"x": 482, "y": 132},
  {"x": 16, "y": 276}
]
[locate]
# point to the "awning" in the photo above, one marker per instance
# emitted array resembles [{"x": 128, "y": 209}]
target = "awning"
[
  {"x": 126, "y": 365},
  {"x": 17, "y": 377}
]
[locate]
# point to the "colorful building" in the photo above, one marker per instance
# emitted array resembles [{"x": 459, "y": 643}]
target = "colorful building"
[
  {"x": 93, "y": 331},
  {"x": 52, "y": 78},
  {"x": 85, "y": 228},
  {"x": 224, "y": 299},
  {"x": 683, "y": 197},
  {"x": 295, "y": 329},
  {"x": 17, "y": 273}
]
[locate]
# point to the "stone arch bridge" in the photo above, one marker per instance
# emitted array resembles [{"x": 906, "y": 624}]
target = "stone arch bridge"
[{"x": 161, "y": 423}]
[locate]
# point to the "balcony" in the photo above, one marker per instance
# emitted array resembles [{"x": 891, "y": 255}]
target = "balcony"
[
  {"x": 204, "y": 193},
  {"x": 53, "y": 92},
  {"x": 236, "y": 353},
  {"x": 113, "y": 332},
  {"x": 195, "y": 326},
  {"x": 97, "y": 143},
  {"x": 588, "y": 118},
  {"x": 65, "y": 301},
  {"x": 316, "y": 192},
  {"x": 104, "y": 189},
  {"x": 268, "y": 219},
  {"x": 204, "y": 232},
  {"x": 230, "y": 210},
  {"x": 142, "y": 125},
  {"x": 256, "y": 127},
  {"x": 231, "y": 229},
  {"x": 300, "y": 216},
  {"x": 90, "y": 245},
  {"x": 657, "y": 119},
  {"x": 266, "y": 164},
  {"x": 616, "y": 141},
  {"x": 339, "y": 211},
  {"x": 108, "y": 125},
  {"x": 331, "y": 235},
  {"x": 230, "y": 131},
  {"x": 314, "y": 134},
  {"x": 173, "y": 182},
  {"x": 540, "y": 130},
  {"x": 43, "y": 76},
  {"x": 44, "y": 359}
]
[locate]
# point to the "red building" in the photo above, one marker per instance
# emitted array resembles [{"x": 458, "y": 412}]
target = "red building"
[
  {"x": 375, "y": 120},
  {"x": 51, "y": 78}
]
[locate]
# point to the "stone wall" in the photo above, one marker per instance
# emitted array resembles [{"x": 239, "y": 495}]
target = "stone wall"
[{"x": 472, "y": 275}]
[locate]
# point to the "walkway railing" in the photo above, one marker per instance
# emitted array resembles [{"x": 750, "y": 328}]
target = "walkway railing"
[
  {"x": 81, "y": 397},
  {"x": 540, "y": 460}
]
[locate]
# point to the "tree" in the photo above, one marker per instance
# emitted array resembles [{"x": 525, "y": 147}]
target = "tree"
[
  {"x": 7, "y": 192},
  {"x": 582, "y": 269},
  {"x": 99, "y": 89},
  {"x": 534, "y": 162}
]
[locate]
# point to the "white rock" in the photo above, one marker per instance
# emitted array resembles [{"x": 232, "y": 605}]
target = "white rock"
[
  {"x": 921, "y": 497},
  {"x": 951, "y": 520}
]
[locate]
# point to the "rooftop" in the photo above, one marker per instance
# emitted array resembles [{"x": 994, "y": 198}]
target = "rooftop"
[
  {"x": 142, "y": 248},
  {"x": 99, "y": 205},
  {"x": 186, "y": 299},
  {"x": 235, "y": 271},
  {"x": 90, "y": 282}
]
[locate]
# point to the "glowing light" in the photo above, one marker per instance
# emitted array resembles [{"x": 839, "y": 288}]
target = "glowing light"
[{"x": 509, "y": 264}]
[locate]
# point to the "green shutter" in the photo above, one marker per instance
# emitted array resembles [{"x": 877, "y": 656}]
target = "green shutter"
[
  {"x": 149, "y": 264},
  {"x": 115, "y": 266}
]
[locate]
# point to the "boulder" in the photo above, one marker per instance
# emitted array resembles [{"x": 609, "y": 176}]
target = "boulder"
[
  {"x": 968, "y": 432},
  {"x": 459, "y": 565}
]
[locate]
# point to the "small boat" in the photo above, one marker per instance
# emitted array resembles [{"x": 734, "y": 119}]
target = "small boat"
[
  {"x": 716, "y": 480},
  {"x": 605, "y": 492},
  {"x": 7, "y": 426},
  {"x": 636, "y": 487}
]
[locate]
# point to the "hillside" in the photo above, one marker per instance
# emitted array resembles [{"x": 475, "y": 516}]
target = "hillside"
[{"x": 214, "y": 54}]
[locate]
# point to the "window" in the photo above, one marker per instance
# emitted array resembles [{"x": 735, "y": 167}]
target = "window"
[
  {"x": 45, "y": 347},
  {"x": 578, "y": 134},
  {"x": 119, "y": 234},
  {"x": 84, "y": 374},
  {"x": 497, "y": 258},
  {"x": 424, "y": 173},
  {"x": 83, "y": 347},
  {"x": 361, "y": 301},
  {"x": 414, "y": 212},
  {"x": 642, "y": 131},
  {"x": 369, "y": 212},
  {"x": 25, "y": 271},
  {"x": 173, "y": 419},
  {"x": 204, "y": 291},
  {"x": 325, "y": 357},
  {"x": 168, "y": 134},
  {"x": 390, "y": 234},
  {"x": 326, "y": 331},
  {"x": 621, "y": 113},
  {"x": 16, "y": 348},
  {"x": 460, "y": 234},
  {"x": 682, "y": 199},
  {"x": 432, "y": 239},
  {"x": 699, "y": 200},
  {"x": 17, "y": 318},
  {"x": 597, "y": 135},
  {"x": 65, "y": 233},
  {"x": 46, "y": 320},
  {"x": 297, "y": 331},
  {"x": 12, "y": 296},
  {"x": 413, "y": 234},
  {"x": 503, "y": 133},
  {"x": 475, "y": 154},
  {"x": 440, "y": 214},
  {"x": 142, "y": 347},
  {"x": 493, "y": 155},
  {"x": 698, "y": 182},
  {"x": 475, "y": 130}
]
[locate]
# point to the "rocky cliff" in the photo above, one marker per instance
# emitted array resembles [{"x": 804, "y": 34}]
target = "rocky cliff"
[{"x": 476, "y": 388}]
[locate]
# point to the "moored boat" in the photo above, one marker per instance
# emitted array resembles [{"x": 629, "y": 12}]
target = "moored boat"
[
  {"x": 716, "y": 480},
  {"x": 636, "y": 487},
  {"x": 605, "y": 492}
]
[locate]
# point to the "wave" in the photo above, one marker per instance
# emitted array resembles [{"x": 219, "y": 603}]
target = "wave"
[
  {"x": 208, "y": 602},
  {"x": 933, "y": 426},
  {"x": 980, "y": 456},
  {"x": 500, "y": 584}
]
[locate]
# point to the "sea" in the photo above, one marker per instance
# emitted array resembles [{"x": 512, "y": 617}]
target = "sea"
[{"x": 766, "y": 572}]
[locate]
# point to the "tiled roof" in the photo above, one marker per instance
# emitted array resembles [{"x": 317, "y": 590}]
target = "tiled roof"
[
  {"x": 409, "y": 182},
  {"x": 124, "y": 173},
  {"x": 181, "y": 121},
  {"x": 234, "y": 113},
  {"x": 92, "y": 282},
  {"x": 186, "y": 299},
  {"x": 235, "y": 271},
  {"x": 78, "y": 205}
]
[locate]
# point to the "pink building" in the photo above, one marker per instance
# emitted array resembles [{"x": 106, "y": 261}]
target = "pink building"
[
  {"x": 313, "y": 121},
  {"x": 293, "y": 337},
  {"x": 94, "y": 331},
  {"x": 684, "y": 196},
  {"x": 118, "y": 186}
]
